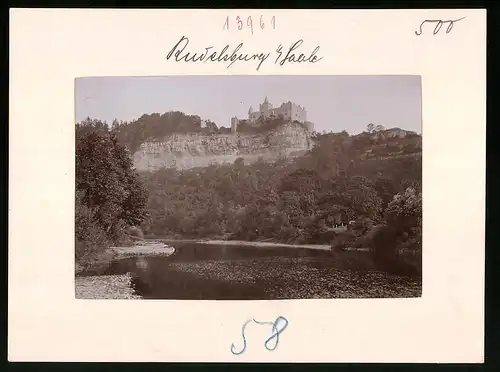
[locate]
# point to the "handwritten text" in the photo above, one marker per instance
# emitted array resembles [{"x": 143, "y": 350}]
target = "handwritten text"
[
  {"x": 229, "y": 55},
  {"x": 277, "y": 330},
  {"x": 291, "y": 57},
  {"x": 240, "y": 23},
  {"x": 439, "y": 24}
]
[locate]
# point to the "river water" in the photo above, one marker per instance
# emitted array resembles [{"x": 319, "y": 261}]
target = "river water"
[{"x": 221, "y": 272}]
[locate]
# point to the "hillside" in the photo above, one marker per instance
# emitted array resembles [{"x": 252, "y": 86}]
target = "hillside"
[{"x": 296, "y": 197}]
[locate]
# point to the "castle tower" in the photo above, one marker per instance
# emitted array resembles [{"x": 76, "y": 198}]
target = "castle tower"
[
  {"x": 265, "y": 108},
  {"x": 252, "y": 115},
  {"x": 234, "y": 124}
]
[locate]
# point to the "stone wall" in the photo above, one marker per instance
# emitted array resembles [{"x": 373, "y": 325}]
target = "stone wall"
[{"x": 191, "y": 150}]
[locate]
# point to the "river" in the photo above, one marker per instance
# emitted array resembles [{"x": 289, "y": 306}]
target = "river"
[{"x": 201, "y": 271}]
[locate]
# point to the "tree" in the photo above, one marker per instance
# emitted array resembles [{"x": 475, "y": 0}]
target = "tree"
[
  {"x": 115, "y": 125},
  {"x": 133, "y": 206},
  {"x": 351, "y": 198},
  {"x": 405, "y": 212},
  {"x": 403, "y": 229},
  {"x": 90, "y": 239},
  {"x": 110, "y": 196},
  {"x": 298, "y": 192},
  {"x": 211, "y": 126},
  {"x": 327, "y": 157},
  {"x": 370, "y": 127},
  {"x": 385, "y": 189}
]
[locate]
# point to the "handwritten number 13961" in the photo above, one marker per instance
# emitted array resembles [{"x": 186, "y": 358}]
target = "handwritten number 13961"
[{"x": 249, "y": 23}]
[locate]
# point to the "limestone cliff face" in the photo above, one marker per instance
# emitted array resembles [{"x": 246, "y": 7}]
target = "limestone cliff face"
[{"x": 184, "y": 151}]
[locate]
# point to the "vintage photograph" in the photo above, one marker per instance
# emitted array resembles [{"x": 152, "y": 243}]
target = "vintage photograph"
[{"x": 248, "y": 187}]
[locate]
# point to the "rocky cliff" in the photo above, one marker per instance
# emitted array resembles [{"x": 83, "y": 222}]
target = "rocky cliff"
[{"x": 191, "y": 150}]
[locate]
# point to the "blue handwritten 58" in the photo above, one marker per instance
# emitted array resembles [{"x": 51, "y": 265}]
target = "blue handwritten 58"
[{"x": 278, "y": 326}]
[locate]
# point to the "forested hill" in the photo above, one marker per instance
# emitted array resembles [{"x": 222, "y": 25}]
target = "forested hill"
[
  {"x": 342, "y": 178},
  {"x": 375, "y": 144}
]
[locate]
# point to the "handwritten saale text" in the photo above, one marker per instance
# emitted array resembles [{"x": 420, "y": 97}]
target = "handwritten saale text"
[
  {"x": 292, "y": 57},
  {"x": 271, "y": 343},
  {"x": 438, "y": 24},
  {"x": 240, "y": 23},
  {"x": 229, "y": 55}
]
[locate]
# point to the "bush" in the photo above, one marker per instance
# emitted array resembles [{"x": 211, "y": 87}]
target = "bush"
[
  {"x": 91, "y": 249},
  {"x": 90, "y": 240},
  {"x": 362, "y": 226},
  {"x": 403, "y": 230},
  {"x": 344, "y": 240},
  {"x": 135, "y": 232},
  {"x": 386, "y": 243}
]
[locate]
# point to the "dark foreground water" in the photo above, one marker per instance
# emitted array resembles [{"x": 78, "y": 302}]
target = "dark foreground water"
[{"x": 208, "y": 272}]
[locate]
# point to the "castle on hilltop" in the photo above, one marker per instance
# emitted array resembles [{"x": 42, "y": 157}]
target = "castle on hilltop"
[{"x": 288, "y": 111}]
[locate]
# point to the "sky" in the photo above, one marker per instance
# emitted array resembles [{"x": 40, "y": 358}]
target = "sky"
[{"x": 332, "y": 102}]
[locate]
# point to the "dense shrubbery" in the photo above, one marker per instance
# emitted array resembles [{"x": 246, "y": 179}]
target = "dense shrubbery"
[
  {"x": 91, "y": 240},
  {"x": 402, "y": 230}
]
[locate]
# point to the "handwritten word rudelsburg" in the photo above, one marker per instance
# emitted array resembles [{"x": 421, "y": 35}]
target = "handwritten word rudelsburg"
[{"x": 231, "y": 55}]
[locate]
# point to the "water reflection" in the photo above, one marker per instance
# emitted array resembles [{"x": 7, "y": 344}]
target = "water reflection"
[
  {"x": 197, "y": 252},
  {"x": 161, "y": 277},
  {"x": 220, "y": 272}
]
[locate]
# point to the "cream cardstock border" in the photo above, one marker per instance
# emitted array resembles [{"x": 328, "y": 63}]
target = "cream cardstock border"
[{"x": 50, "y": 48}]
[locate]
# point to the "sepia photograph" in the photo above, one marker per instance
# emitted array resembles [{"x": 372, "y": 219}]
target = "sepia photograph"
[{"x": 232, "y": 187}]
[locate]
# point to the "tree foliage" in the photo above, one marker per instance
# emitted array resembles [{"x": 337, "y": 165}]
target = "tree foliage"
[
  {"x": 402, "y": 230},
  {"x": 109, "y": 193}
]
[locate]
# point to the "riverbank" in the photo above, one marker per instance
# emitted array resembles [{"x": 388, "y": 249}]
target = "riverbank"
[
  {"x": 145, "y": 249},
  {"x": 105, "y": 287}
]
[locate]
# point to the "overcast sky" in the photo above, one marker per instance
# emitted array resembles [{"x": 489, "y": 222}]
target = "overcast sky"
[{"x": 332, "y": 102}]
